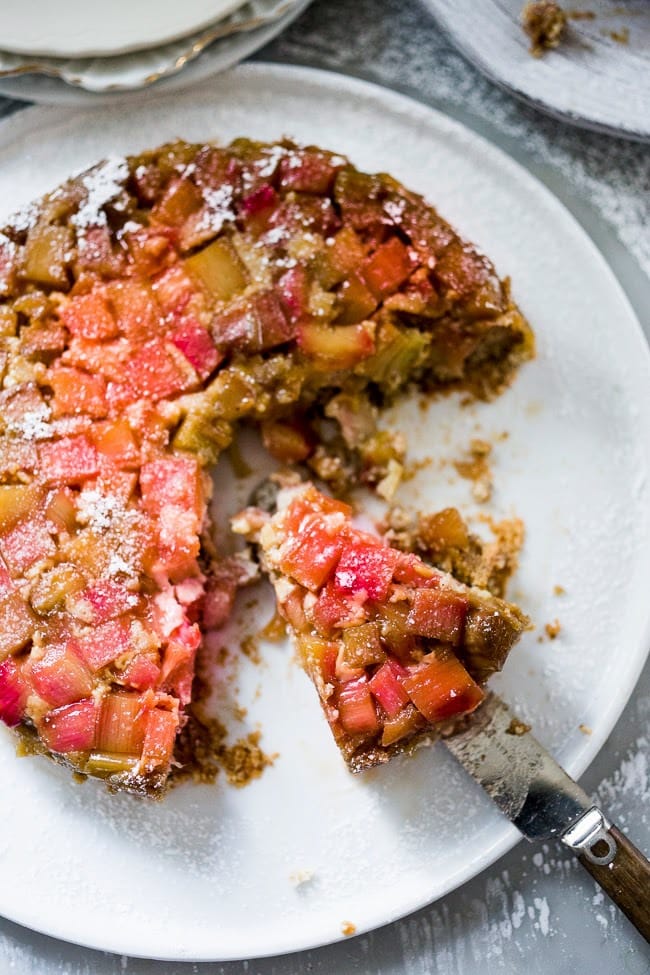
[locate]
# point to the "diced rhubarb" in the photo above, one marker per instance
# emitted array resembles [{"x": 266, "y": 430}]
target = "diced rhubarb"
[
  {"x": 196, "y": 344},
  {"x": 218, "y": 269},
  {"x": 17, "y": 624},
  {"x": 28, "y": 542},
  {"x": 135, "y": 308},
  {"x": 47, "y": 255},
  {"x": 441, "y": 688},
  {"x": 338, "y": 346},
  {"x": 173, "y": 289},
  {"x": 356, "y": 301},
  {"x": 178, "y": 662},
  {"x": 180, "y": 199},
  {"x": 362, "y": 645},
  {"x": 142, "y": 672},
  {"x": 77, "y": 392},
  {"x": 307, "y": 171},
  {"x": 159, "y": 738},
  {"x": 293, "y": 289},
  {"x": 310, "y": 558},
  {"x": 103, "y": 600},
  {"x": 387, "y": 688},
  {"x": 253, "y": 324},
  {"x": 14, "y": 691},
  {"x": 7, "y": 585},
  {"x": 444, "y": 529},
  {"x": 366, "y": 569},
  {"x": 178, "y": 543},
  {"x": 122, "y": 723},
  {"x": 438, "y": 614},
  {"x": 344, "y": 255},
  {"x": 156, "y": 371},
  {"x": 71, "y": 460},
  {"x": 71, "y": 728},
  {"x": 334, "y": 609},
  {"x": 60, "y": 676},
  {"x": 388, "y": 267},
  {"x": 103, "y": 644},
  {"x": 114, "y": 439},
  {"x": 173, "y": 480},
  {"x": 17, "y": 501},
  {"x": 89, "y": 316},
  {"x": 61, "y": 511},
  {"x": 403, "y": 725},
  {"x": 356, "y": 709},
  {"x": 309, "y": 502},
  {"x": 257, "y": 207},
  {"x": 55, "y": 586},
  {"x": 412, "y": 571},
  {"x": 285, "y": 441}
]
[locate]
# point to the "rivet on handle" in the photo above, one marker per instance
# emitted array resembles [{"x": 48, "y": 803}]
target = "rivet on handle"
[{"x": 590, "y": 837}]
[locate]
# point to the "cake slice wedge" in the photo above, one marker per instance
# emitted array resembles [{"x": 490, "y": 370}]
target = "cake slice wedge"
[{"x": 398, "y": 651}]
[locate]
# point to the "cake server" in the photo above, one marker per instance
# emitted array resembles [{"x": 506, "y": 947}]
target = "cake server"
[{"x": 543, "y": 802}]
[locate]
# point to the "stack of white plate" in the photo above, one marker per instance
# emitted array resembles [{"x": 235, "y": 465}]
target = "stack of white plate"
[{"x": 73, "y": 50}]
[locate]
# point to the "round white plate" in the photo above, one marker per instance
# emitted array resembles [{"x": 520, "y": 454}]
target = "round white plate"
[
  {"x": 207, "y": 874},
  {"x": 83, "y": 28},
  {"x": 220, "y": 55},
  {"x": 599, "y": 76}
]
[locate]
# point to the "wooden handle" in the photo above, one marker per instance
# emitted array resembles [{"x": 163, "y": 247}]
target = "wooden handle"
[{"x": 626, "y": 879}]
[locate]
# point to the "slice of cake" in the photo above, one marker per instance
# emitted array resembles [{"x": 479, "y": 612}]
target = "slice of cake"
[
  {"x": 397, "y": 650},
  {"x": 150, "y": 305}
]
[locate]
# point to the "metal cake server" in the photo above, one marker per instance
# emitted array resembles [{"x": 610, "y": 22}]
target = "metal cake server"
[{"x": 543, "y": 802}]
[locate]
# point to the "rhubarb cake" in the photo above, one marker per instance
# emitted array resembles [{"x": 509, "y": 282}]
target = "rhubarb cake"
[
  {"x": 152, "y": 304},
  {"x": 397, "y": 649}
]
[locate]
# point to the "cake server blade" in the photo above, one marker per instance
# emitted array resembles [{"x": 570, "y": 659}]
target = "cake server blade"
[{"x": 543, "y": 802}]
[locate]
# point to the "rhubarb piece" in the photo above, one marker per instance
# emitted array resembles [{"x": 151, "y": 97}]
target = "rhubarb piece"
[
  {"x": 151, "y": 305},
  {"x": 392, "y": 666}
]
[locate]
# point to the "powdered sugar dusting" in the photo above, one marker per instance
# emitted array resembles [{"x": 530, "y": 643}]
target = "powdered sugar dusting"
[
  {"x": 33, "y": 424},
  {"x": 218, "y": 208},
  {"x": 102, "y": 184}
]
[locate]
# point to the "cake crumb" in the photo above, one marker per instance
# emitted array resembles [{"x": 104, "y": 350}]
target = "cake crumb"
[
  {"x": 250, "y": 649},
  {"x": 202, "y": 752},
  {"x": 301, "y": 877},
  {"x": 585, "y": 729},
  {"x": 581, "y": 14},
  {"x": 245, "y": 760},
  {"x": 517, "y": 727},
  {"x": 477, "y": 469},
  {"x": 621, "y": 36},
  {"x": 544, "y": 22},
  {"x": 552, "y": 629},
  {"x": 348, "y": 928},
  {"x": 275, "y": 630},
  {"x": 559, "y": 591}
]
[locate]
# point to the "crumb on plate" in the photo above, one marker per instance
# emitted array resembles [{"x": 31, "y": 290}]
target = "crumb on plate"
[
  {"x": 517, "y": 727},
  {"x": 552, "y": 630},
  {"x": 544, "y": 22}
]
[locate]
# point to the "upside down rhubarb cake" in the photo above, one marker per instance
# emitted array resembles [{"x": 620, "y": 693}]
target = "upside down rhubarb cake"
[{"x": 152, "y": 305}]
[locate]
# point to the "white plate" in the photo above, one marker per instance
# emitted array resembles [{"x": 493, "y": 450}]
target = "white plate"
[
  {"x": 138, "y": 69},
  {"x": 222, "y": 54},
  {"x": 206, "y": 873},
  {"x": 591, "y": 79},
  {"x": 85, "y": 28}
]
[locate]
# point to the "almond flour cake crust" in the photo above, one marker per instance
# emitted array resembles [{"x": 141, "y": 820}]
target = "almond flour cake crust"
[{"x": 150, "y": 305}]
